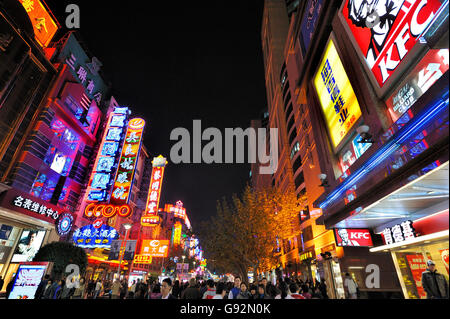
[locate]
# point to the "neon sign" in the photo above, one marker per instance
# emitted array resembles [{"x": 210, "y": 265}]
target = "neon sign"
[
  {"x": 107, "y": 211},
  {"x": 127, "y": 164},
  {"x": 154, "y": 191},
  {"x": 106, "y": 159},
  {"x": 176, "y": 234},
  {"x": 155, "y": 248},
  {"x": 91, "y": 237}
]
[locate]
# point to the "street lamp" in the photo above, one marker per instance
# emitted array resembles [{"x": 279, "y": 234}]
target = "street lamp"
[{"x": 127, "y": 228}]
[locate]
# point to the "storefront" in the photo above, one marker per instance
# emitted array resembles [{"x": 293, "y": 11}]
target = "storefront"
[
  {"x": 26, "y": 224},
  {"x": 412, "y": 243}
]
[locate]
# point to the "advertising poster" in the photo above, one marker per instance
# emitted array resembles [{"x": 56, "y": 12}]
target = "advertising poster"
[
  {"x": 29, "y": 244},
  {"x": 353, "y": 237},
  {"x": 444, "y": 256},
  {"x": 417, "y": 265},
  {"x": 29, "y": 275}
]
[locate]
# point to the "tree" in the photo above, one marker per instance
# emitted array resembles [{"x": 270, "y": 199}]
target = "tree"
[
  {"x": 243, "y": 235},
  {"x": 62, "y": 254}
]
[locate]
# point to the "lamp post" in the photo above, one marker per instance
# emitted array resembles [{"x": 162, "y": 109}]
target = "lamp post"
[{"x": 127, "y": 228}]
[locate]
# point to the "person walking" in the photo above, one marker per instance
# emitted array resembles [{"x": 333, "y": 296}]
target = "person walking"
[
  {"x": 98, "y": 288},
  {"x": 156, "y": 292},
  {"x": 47, "y": 289},
  {"x": 351, "y": 287},
  {"x": 220, "y": 291},
  {"x": 66, "y": 292},
  {"x": 261, "y": 294},
  {"x": 115, "y": 289},
  {"x": 234, "y": 292},
  {"x": 323, "y": 289},
  {"x": 40, "y": 289},
  {"x": 244, "y": 293},
  {"x": 123, "y": 289},
  {"x": 176, "y": 290},
  {"x": 210, "y": 291},
  {"x": 79, "y": 292},
  {"x": 57, "y": 291},
  {"x": 166, "y": 289},
  {"x": 91, "y": 288},
  {"x": 434, "y": 284},
  {"x": 2, "y": 282},
  {"x": 295, "y": 292},
  {"x": 191, "y": 292},
  {"x": 9, "y": 286}
]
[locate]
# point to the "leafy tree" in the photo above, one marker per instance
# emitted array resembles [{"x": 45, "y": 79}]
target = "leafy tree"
[
  {"x": 243, "y": 235},
  {"x": 62, "y": 254}
]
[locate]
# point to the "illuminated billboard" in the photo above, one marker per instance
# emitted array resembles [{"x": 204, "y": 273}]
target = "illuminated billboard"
[
  {"x": 103, "y": 171},
  {"x": 336, "y": 95},
  {"x": 154, "y": 190},
  {"x": 155, "y": 248},
  {"x": 386, "y": 31},
  {"x": 127, "y": 165},
  {"x": 176, "y": 234},
  {"x": 44, "y": 25}
]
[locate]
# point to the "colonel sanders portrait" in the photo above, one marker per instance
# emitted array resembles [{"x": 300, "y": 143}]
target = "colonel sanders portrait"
[{"x": 377, "y": 15}]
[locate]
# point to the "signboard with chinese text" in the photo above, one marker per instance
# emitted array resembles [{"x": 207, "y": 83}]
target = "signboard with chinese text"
[
  {"x": 27, "y": 280},
  {"x": 176, "y": 234},
  {"x": 107, "y": 211},
  {"x": 309, "y": 23},
  {"x": 430, "y": 69},
  {"x": 100, "y": 181},
  {"x": 353, "y": 237},
  {"x": 142, "y": 259},
  {"x": 127, "y": 165},
  {"x": 84, "y": 69},
  {"x": 44, "y": 25},
  {"x": 91, "y": 237},
  {"x": 337, "y": 98},
  {"x": 417, "y": 265},
  {"x": 155, "y": 248},
  {"x": 154, "y": 191},
  {"x": 386, "y": 31},
  {"x": 399, "y": 233}
]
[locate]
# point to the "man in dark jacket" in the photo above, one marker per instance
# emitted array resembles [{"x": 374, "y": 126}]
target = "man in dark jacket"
[
  {"x": 434, "y": 284},
  {"x": 41, "y": 288},
  {"x": 191, "y": 292}
]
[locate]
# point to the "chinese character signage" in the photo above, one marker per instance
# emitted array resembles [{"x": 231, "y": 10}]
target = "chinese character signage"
[
  {"x": 309, "y": 23},
  {"x": 176, "y": 234},
  {"x": 417, "y": 265},
  {"x": 336, "y": 95},
  {"x": 104, "y": 166},
  {"x": 430, "y": 69},
  {"x": 155, "y": 248},
  {"x": 107, "y": 211},
  {"x": 127, "y": 165},
  {"x": 142, "y": 259},
  {"x": 84, "y": 69},
  {"x": 154, "y": 190},
  {"x": 386, "y": 31},
  {"x": 91, "y": 237},
  {"x": 353, "y": 237},
  {"x": 44, "y": 25},
  {"x": 27, "y": 280},
  {"x": 399, "y": 233}
]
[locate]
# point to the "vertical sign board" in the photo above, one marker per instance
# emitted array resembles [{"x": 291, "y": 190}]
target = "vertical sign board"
[
  {"x": 127, "y": 165},
  {"x": 44, "y": 25},
  {"x": 176, "y": 234},
  {"x": 336, "y": 95},
  {"x": 398, "y": 27},
  {"x": 100, "y": 181},
  {"x": 309, "y": 23},
  {"x": 154, "y": 190}
]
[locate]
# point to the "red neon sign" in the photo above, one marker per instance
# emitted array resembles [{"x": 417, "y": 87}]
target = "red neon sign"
[
  {"x": 385, "y": 44},
  {"x": 353, "y": 237},
  {"x": 154, "y": 191},
  {"x": 107, "y": 211}
]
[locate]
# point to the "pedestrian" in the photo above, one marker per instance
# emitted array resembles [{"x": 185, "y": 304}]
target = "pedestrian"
[
  {"x": 9, "y": 286},
  {"x": 253, "y": 292},
  {"x": 434, "y": 284},
  {"x": 234, "y": 292},
  {"x": 305, "y": 291},
  {"x": 261, "y": 293},
  {"x": 264, "y": 282},
  {"x": 57, "y": 292},
  {"x": 244, "y": 293},
  {"x": 115, "y": 289},
  {"x": 2, "y": 282},
  {"x": 91, "y": 288},
  {"x": 351, "y": 287},
  {"x": 295, "y": 292},
  {"x": 40, "y": 289},
  {"x": 47, "y": 289},
  {"x": 166, "y": 289},
  {"x": 273, "y": 292},
  {"x": 220, "y": 291},
  {"x": 316, "y": 294},
  {"x": 79, "y": 292},
  {"x": 191, "y": 292},
  {"x": 210, "y": 290},
  {"x": 98, "y": 288},
  {"x": 203, "y": 288},
  {"x": 156, "y": 292},
  {"x": 132, "y": 290},
  {"x": 323, "y": 288},
  {"x": 284, "y": 288},
  {"x": 67, "y": 292},
  {"x": 176, "y": 289}
]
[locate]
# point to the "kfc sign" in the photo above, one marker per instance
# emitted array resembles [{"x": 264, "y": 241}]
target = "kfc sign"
[
  {"x": 386, "y": 31},
  {"x": 353, "y": 237}
]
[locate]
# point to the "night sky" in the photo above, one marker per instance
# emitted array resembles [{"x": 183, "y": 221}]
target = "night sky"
[{"x": 176, "y": 61}]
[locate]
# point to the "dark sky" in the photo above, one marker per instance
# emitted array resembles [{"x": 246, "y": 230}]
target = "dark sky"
[{"x": 176, "y": 61}]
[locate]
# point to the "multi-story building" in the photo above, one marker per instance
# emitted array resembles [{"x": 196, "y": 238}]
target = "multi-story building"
[
  {"x": 379, "y": 100},
  {"x": 275, "y": 27}
]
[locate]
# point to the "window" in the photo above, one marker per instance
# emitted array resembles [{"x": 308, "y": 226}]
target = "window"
[
  {"x": 292, "y": 136},
  {"x": 299, "y": 180},
  {"x": 290, "y": 124},
  {"x": 297, "y": 164},
  {"x": 307, "y": 234}
]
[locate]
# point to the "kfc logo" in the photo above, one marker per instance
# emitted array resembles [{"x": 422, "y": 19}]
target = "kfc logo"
[
  {"x": 353, "y": 237},
  {"x": 387, "y": 30}
]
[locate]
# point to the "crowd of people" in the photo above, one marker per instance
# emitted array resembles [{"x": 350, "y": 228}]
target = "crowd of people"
[{"x": 193, "y": 289}]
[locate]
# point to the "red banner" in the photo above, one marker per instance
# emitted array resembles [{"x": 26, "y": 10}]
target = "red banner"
[
  {"x": 353, "y": 237},
  {"x": 418, "y": 266}
]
